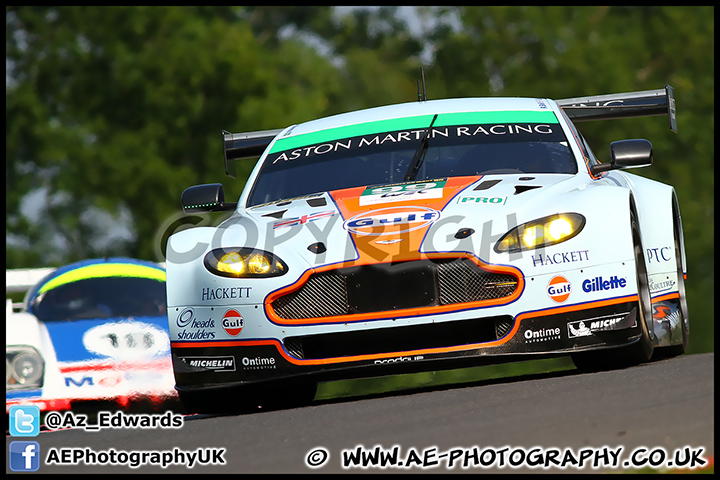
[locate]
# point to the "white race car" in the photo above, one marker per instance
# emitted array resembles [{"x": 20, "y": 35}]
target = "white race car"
[
  {"x": 426, "y": 235},
  {"x": 92, "y": 331}
]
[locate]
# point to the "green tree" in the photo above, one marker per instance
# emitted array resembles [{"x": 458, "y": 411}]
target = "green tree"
[{"x": 115, "y": 110}]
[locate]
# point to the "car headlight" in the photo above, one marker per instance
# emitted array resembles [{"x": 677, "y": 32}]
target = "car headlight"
[
  {"x": 23, "y": 368},
  {"x": 542, "y": 232},
  {"x": 242, "y": 262}
]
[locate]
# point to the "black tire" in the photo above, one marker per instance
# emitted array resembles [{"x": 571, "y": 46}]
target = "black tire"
[
  {"x": 642, "y": 350},
  {"x": 679, "y": 349}
]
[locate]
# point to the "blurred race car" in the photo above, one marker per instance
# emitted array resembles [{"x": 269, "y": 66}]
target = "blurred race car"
[
  {"x": 426, "y": 235},
  {"x": 95, "y": 330}
]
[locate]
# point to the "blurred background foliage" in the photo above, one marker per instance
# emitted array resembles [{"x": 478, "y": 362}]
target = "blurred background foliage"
[{"x": 111, "y": 112}]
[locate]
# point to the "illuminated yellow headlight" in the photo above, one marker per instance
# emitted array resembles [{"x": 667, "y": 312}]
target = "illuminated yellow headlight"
[
  {"x": 533, "y": 236},
  {"x": 542, "y": 232},
  {"x": 243, "y": 262},
  {"x": 231, "y": 263},
  {"x": 258, "y": 264},
  {"x": 560, "y": 228}
]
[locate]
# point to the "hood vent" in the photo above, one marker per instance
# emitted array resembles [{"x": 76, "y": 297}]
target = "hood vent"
[
  {"x": 487, "y": 184},
  {"x": 277, "y": 214},
  {"x": 524, "y": 188},
  {"x": 316, "y": 202}
]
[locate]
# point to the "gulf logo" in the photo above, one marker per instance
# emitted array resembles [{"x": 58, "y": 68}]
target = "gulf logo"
[
  {"x": 233, "y": 322},
  {"x": 559, "y": 288},
  {"x": 391, "y": 220}
]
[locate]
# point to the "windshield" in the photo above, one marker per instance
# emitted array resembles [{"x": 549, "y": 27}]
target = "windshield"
[
  {"x": 108, "y": 297},
  {"x": 373, "y": 158}
]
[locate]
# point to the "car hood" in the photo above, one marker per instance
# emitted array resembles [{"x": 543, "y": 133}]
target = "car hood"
[{"x": 401, "y": 221}]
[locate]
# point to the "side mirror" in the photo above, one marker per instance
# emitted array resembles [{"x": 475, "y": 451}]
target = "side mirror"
[
  {"x": 631, "y": 153},
  {"x": 627, "y": 154},
  {"x": 205, "y": 198}
]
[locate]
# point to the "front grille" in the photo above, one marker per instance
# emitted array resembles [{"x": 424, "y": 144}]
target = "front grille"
[
  {"x": 323, "y": 295},
  {"x": 393, "y": 286},
  {"x": 463, "y": 281},
  {"x": 399, "y": 339}
]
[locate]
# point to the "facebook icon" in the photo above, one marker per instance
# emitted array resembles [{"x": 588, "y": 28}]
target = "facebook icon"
[{"x": 24, "y": 456}]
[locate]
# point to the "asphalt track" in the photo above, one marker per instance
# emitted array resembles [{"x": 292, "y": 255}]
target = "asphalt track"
[{"x": 665, "y": 406}]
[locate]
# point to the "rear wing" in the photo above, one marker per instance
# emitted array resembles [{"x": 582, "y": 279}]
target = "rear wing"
[
  {"x": 237, "y": 146},
  {"x": 622, "y": 105}
]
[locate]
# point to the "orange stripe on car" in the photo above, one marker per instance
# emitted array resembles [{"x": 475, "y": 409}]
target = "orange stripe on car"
[{"x": 426, "y": 351}]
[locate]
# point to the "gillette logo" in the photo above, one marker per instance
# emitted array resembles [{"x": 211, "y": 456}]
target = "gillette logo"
[{"x": 597, "y": 284}]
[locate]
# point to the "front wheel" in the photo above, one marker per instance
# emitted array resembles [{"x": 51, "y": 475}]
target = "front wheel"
[
  {"x": 680, "y": 348},
  {"x": 642, "y": 350}
]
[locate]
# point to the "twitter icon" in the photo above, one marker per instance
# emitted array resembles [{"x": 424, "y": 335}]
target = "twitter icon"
[{"x": 24, "y": 420}]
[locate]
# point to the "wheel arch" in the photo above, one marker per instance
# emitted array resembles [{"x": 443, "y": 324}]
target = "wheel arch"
[
  {"x": 678, "y": 230},
  {"x": 657, "y": 212}
]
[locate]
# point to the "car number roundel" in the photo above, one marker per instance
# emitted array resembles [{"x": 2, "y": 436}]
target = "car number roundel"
[
  {"x": 391, "y": 220},
  {"x": 233, "y": 322},
  {"x": 126, "y": 340},
  {"x": 559, "y": 288}
]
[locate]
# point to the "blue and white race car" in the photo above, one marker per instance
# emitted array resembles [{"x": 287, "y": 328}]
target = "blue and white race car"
[
  {"x": 426, "y": 235},
  {"x": 92, "y": 331}
]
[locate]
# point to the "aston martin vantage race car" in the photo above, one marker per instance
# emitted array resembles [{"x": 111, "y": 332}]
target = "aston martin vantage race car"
[
  {"x": 91, "y": 333},
  {"x": 427, "y": 235}
]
